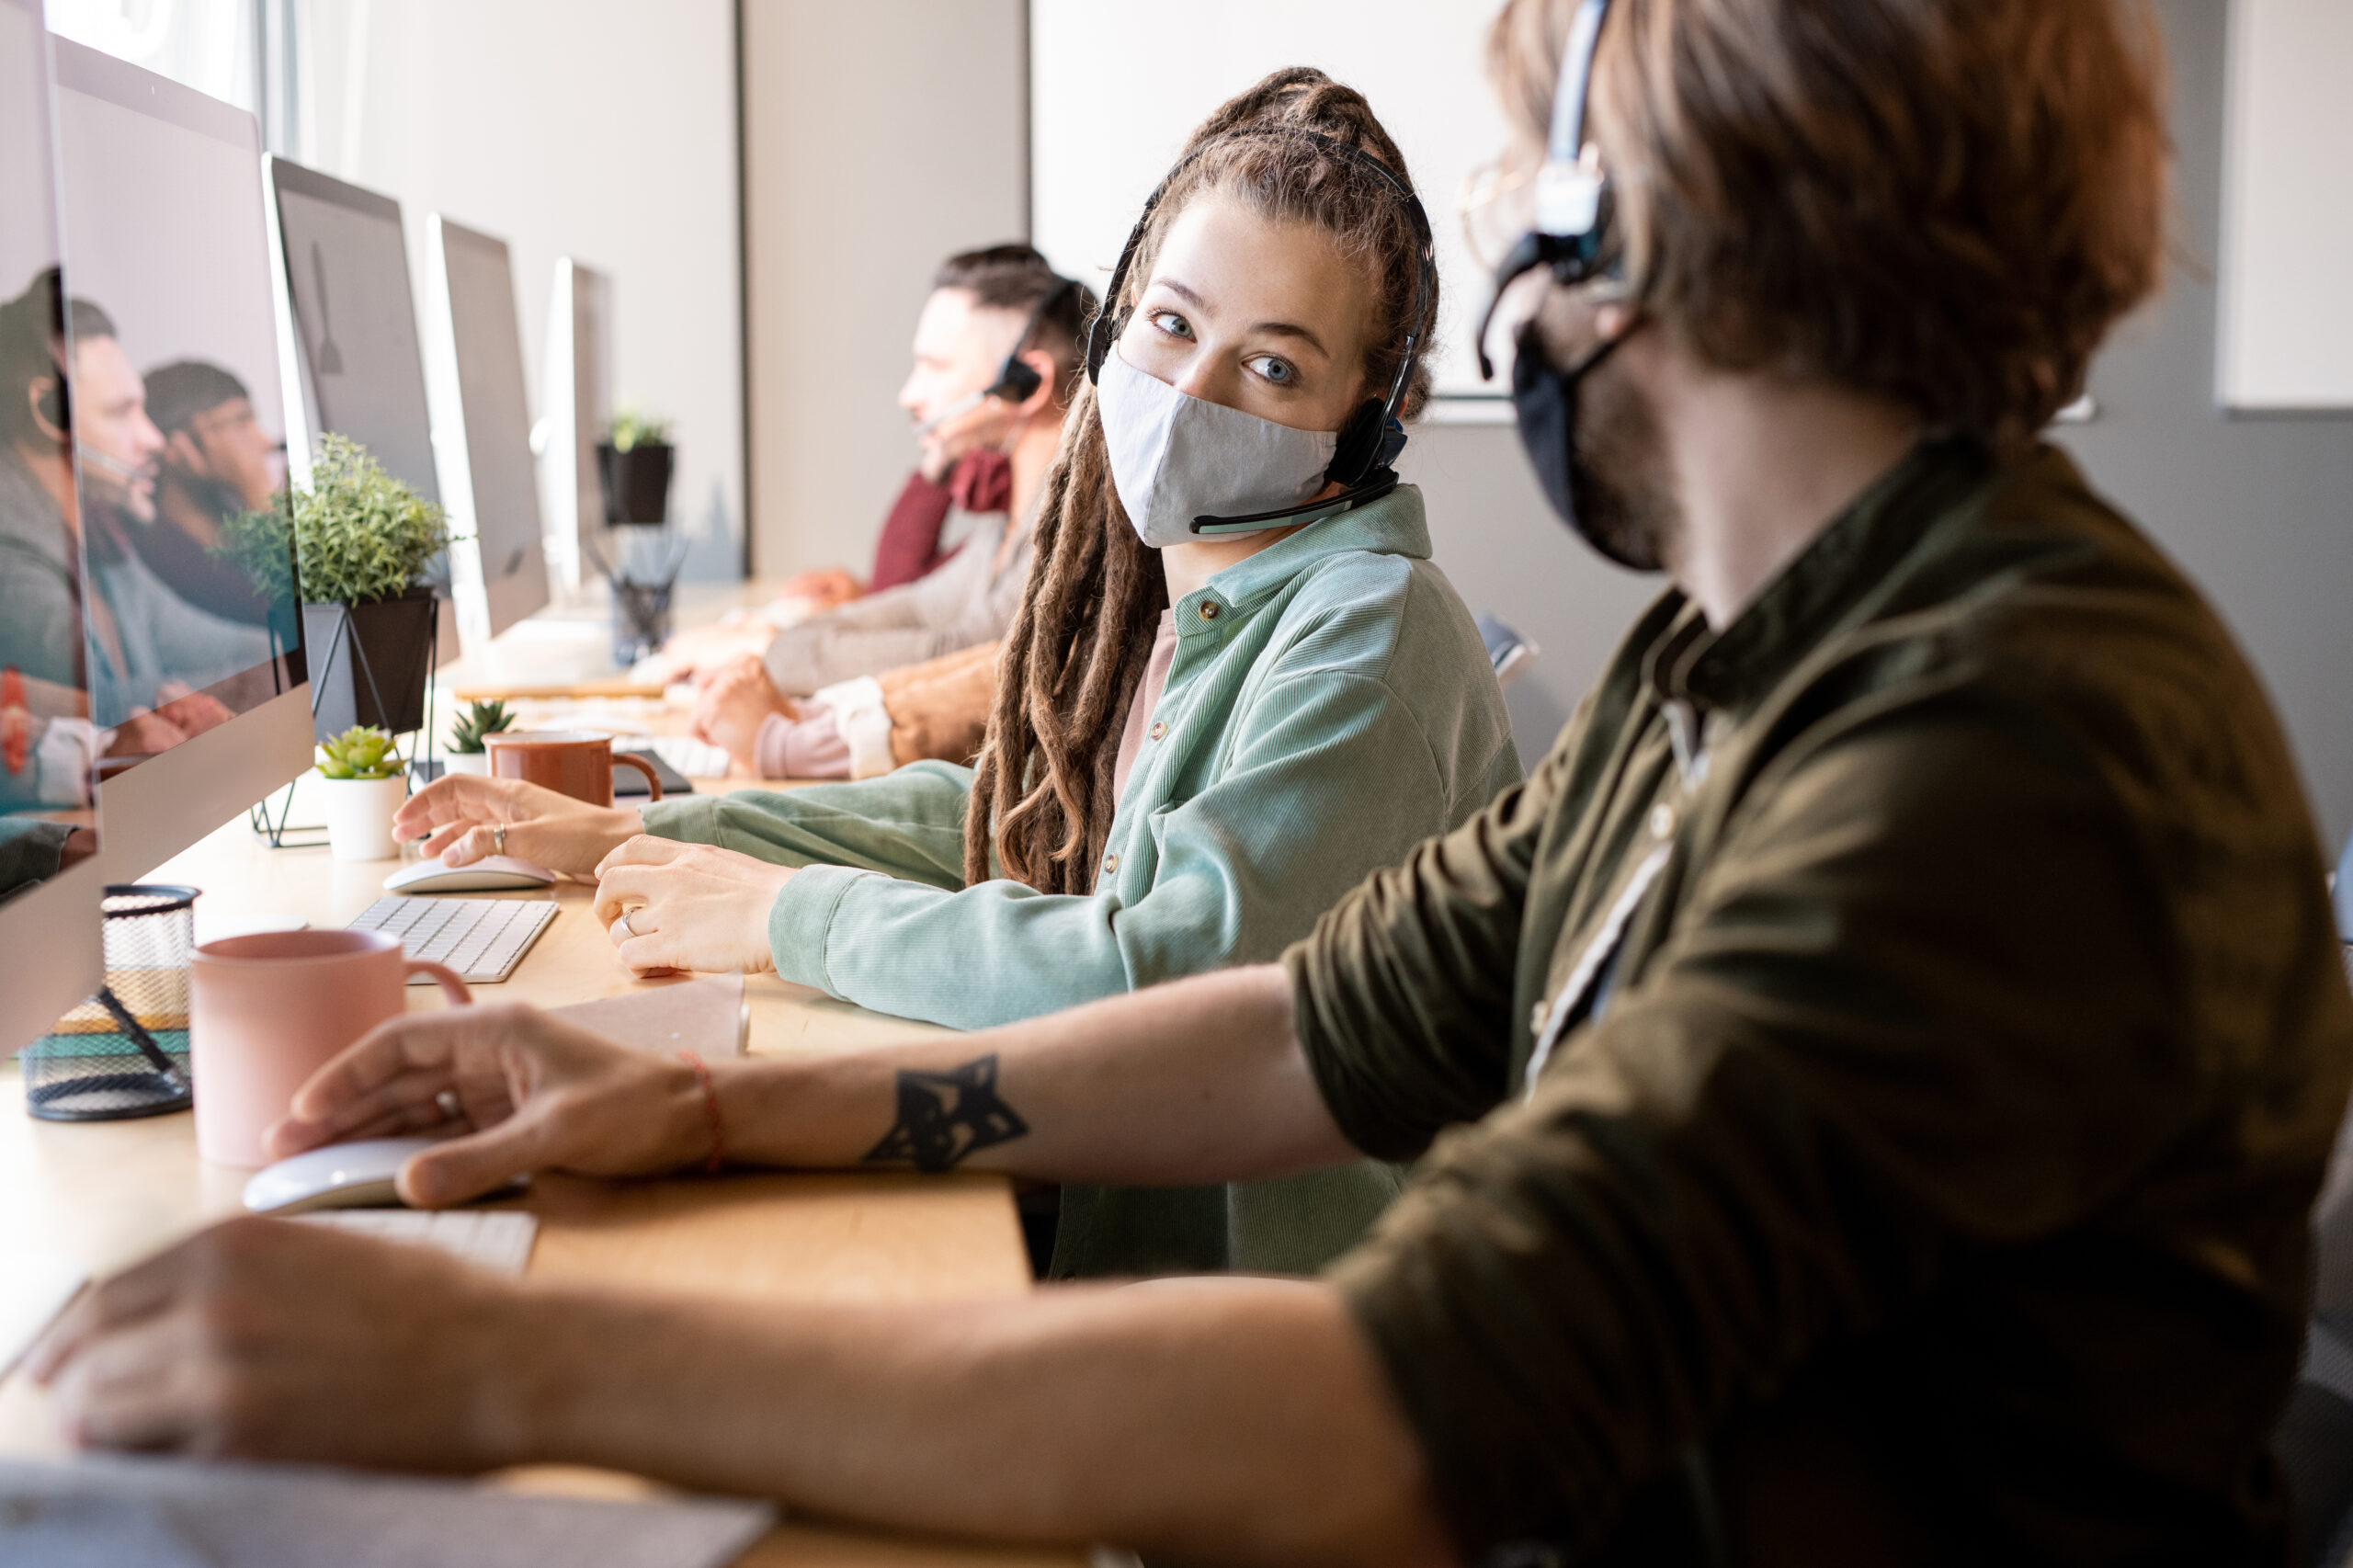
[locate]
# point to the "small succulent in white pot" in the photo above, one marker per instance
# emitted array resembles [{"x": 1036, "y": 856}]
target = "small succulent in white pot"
[
  {"x": 469, "y": 752},
  {"x": 362, "y": 781}
]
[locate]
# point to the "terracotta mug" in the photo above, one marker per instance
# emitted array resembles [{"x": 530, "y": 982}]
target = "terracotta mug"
[
  {"x": 268, "y": 1010},
  {"x": 567, "y": 761}
]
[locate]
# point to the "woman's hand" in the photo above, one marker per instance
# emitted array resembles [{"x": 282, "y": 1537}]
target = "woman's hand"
[
  {"x": 524, "y": 1091},
  {"x": 671, "y": 906},
  {"x": 734, "y": 702},
  {"x": 458, "y": 816}
]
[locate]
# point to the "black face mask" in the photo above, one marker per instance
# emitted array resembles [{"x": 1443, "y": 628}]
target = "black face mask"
[{"x": 1545, "y": 400}]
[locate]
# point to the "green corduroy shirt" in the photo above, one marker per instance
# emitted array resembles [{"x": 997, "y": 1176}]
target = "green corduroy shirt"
[
  {"x": 1330, "y": 705},
  {"x": 1922, "y": 1174}
]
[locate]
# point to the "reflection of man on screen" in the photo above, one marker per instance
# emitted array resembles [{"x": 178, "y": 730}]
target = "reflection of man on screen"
[
  {"x": 144, "y": 649},
  {"x": 47, "y": 743},
  {"x": 216, "y": 462},
  {"x": 150, "y": 647}
]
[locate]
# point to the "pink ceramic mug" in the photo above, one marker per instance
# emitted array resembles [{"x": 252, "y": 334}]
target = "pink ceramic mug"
[{"x": 267, "y": 1011}]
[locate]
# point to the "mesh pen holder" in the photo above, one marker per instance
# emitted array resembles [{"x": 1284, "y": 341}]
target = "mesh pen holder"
[{"x": 123, "y": 1053}]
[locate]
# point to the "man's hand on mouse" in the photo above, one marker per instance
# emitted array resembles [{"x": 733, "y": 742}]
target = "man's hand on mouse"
[
  {"x": 459, "y": 817},
  {"x": 670, "y": 907},
  {"x": 530, "y": 1092},
  {"x": 269, "y": 1340}
]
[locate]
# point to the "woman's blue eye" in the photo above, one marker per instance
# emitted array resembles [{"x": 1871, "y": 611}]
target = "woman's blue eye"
[
  {"x": 1279, "y": 371},
  {"x": 1172, "y": 323}
]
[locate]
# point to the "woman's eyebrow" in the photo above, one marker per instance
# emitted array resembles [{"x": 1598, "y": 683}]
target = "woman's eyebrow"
[{"x": 1280, "y": 328}]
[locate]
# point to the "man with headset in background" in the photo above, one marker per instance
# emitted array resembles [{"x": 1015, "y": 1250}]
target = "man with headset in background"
[
  {"x": 1873, "y": 1074},
  {"x": 996, "y": 353}
]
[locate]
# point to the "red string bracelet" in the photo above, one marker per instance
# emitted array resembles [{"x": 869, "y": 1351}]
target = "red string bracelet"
[{"x": 718, "y": 1156}]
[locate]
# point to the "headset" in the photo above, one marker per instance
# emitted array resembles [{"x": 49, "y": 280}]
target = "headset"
[
  {"x": 1575, "y": 207},
  {"x": 1372, "y": 438},
  {"x": 1015, "y": 381}
]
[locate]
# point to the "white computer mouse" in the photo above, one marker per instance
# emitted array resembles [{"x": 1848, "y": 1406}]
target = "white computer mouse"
[
  {"x": 492, "y": 873},
  {"x": 358, "y": 1174}
]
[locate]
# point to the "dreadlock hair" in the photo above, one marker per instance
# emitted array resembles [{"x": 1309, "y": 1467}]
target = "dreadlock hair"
[{"x": 1041, "y": 789}]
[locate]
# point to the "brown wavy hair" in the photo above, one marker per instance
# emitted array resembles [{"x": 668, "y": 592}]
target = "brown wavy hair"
[
  {"x": 1946, "y": 202},
  {"x": 1042, "y": 790}
]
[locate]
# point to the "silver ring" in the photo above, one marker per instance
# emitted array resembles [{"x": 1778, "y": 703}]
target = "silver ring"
[
  {"x": 498, "y": 839},
  {"x": 624, "y": 924},
  {"x": 446, "y": 1102}
]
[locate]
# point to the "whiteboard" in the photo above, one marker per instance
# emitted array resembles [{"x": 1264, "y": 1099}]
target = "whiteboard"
[
  {"x": 1115, "y": 86},
  {"x": 2286, "y": 314}
]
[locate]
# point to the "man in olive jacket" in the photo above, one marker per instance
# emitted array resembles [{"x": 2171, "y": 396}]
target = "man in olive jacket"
[{"x": 1869, "y": 1081}]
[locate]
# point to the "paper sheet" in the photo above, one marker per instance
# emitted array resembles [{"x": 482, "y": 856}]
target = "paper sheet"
[{"x": 134, "y": 1513}]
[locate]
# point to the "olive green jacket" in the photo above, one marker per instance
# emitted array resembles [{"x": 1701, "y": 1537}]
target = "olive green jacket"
[
  {"x": 1330, "y": 705},
  {"x": 1919, "y": 1169}
]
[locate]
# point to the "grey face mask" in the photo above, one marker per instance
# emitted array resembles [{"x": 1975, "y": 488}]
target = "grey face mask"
[{"x": 1175, "y": 456}]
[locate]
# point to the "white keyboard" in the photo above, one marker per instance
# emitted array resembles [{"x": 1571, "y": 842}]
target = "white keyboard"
[
  {"x": 482, "y": 938},
  {"x": 496, "y": 1239},
  {"x": 695, "y": 759}
]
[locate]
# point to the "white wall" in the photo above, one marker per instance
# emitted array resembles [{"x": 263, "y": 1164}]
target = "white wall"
[
  {"x": 2287, "y": 303},
  {"x": 1421, "y": 65},
  {"x": 600, "y": 129},
  {"x": 879, "y": 137}
]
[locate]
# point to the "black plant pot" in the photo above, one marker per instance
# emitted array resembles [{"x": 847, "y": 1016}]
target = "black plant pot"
[
  {"x": 637, "y": 483},
  {"x": 369, "y": 663}
]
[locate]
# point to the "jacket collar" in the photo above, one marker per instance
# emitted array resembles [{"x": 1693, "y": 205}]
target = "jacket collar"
[{"x": 1394, "y": 525}]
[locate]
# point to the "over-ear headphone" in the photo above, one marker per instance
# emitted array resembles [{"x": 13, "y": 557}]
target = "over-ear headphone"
[
  {"x": 1016, "y": 382},
  {"x": 55, "y": 405},
  {"x": 1368, "y": 443}
]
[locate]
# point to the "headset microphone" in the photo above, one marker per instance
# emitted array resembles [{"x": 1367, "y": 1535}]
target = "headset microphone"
[
  {"x": 1372, "y": 438},
  {"x": 1016, "y": 382}
]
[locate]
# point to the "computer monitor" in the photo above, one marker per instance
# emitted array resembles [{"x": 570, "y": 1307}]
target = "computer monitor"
[
  {"x": 488, "y": 479},
  {"x": 50, "y": 881},
  {"x": 576, "y": 399},
  {"x": 194, "y": 658},
  {"x": 348, "y": 338}
]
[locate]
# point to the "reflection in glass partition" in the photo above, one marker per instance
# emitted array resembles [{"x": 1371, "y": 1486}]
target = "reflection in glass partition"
[
  {"x": 48, "y": 744},
  {"x": 179, "y": 422}
]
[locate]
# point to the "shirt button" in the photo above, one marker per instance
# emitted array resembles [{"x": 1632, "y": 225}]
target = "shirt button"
[
  {"x": 1662, "y": 820},
  {"x": 1208, "y": 610},
  {"x": 1159, "y": 729},
  {"x": 1535, "y": 1019},
  {"x": 1110, "y": 864}
]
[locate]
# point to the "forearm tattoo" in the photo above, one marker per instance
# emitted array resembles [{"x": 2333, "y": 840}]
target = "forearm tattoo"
[{"x": 945, "y": 1117}]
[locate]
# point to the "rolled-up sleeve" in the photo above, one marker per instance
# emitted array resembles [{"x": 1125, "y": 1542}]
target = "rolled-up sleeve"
[{"x": 1919, "y": 1001}]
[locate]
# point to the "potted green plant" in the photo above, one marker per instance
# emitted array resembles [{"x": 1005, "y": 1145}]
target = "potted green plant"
[
  {"x": 362, "y": 781},
  {"x": 362, "y": 540},
  {"x": 467, "y": 752},
  {"x": 635, "y": 460}
]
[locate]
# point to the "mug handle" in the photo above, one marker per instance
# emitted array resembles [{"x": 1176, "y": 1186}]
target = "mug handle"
[
  {"x": 653, "y": 780},
  {"x": 453, "y": 988}
]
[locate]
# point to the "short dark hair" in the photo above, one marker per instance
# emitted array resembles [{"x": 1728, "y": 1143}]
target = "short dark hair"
[
  {"x": 1943, "y": 202},
  {"x": 180, "y": 390},
  {"x": 32, "y": 340},
  {"x": 1014, "y": 277}
]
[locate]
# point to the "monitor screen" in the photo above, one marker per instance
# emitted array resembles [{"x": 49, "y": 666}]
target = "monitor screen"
[
  {"x": 179, "y": 424},
  {"x": 192, "y": 643},
  {"x": 347, "y": 273},
  {"x": 49, "y": 744},
  {"x": 504, "y": 502}
]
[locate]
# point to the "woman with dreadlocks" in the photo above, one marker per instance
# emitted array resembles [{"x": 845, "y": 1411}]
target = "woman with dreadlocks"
[{"x": 1235, "y": 685}]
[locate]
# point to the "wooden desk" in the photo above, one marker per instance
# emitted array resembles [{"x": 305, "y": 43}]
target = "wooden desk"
[{"x": 108, "y": 1193}]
